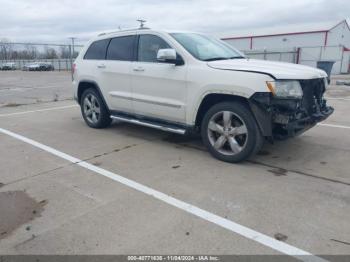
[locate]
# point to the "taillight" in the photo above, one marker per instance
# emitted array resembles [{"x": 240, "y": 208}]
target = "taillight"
[{"x": 74, "y": 68}]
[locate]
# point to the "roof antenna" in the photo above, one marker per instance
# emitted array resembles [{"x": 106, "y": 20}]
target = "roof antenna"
[{"x": 142, "y": 23}]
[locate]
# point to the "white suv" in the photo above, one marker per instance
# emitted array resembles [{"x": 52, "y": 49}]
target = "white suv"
[{"x": 183, "y": 82}]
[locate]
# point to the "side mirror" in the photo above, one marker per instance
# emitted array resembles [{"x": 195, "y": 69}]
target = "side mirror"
[
  {"x": 169, "y": 56},
  {"x": 164, "y": 55}
]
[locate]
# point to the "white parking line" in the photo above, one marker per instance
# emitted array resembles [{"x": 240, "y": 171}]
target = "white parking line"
[
  {"x": 39, "y": 110},
  {"x": 21, "y": 89},
  {"x": 208, "y": 216},
  {"x": 337, "y": 126}
]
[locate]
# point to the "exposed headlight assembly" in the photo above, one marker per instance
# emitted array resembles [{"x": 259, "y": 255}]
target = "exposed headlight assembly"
[{"x": 285, "y": 88}]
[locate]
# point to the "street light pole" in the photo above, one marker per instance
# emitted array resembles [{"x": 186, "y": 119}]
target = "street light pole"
[{"x": 71, "y": 51}]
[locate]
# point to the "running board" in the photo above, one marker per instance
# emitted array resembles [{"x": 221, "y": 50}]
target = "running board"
[{"x": 168, "y": 128}]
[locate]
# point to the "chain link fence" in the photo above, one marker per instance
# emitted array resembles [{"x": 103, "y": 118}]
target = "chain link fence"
[
  {"x": 29, "y": 56},
  {"x": 290, "y": 56},
  {"x": 308, "y": 55}
]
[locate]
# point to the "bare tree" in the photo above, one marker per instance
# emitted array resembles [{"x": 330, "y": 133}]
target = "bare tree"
[
  {"x": 50, "y": 53},
  {"x": 64, "y": 52},
  {"x": 31, "y": 51},
  {"x": 6, "y": 48}
]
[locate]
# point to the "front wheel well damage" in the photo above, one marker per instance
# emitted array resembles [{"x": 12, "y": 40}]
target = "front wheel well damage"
[{"x": 210, "y": 100}]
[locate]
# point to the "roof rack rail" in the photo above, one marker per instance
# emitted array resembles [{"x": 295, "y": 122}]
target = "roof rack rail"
[{"x": 125, "y": 30}]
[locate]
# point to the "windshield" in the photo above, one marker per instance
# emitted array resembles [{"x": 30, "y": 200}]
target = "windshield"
[{"x": 206, "y": 48}]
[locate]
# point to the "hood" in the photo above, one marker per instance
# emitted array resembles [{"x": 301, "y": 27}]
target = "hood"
[{"x": 278, "y": 70}]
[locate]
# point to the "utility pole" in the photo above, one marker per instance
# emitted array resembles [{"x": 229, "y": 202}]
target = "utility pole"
[
  {"x": 71, "y": 51},
  {"x": 72, "y": 39}
]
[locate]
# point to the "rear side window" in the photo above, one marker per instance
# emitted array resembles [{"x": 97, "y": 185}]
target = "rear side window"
[
  {"x": 121, "y": 48},
  {"x": 97, "y": 50},
  {"x": 149, "y": 46}
]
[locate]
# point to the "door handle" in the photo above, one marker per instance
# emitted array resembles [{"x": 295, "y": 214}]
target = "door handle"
[
  {"x": 101, "y": 66},
  {"x": 139, "y": 69}
]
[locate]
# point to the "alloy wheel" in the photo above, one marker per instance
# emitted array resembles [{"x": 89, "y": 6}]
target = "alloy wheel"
[
  {"x": 227, "y": 133},
  {"x": 92, "y": 108}
]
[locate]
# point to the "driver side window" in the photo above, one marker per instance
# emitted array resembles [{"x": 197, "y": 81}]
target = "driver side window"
[{"x": 149, "y": 46}]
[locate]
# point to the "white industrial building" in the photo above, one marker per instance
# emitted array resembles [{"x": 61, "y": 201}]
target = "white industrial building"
[{"x": 303, "y": 44}]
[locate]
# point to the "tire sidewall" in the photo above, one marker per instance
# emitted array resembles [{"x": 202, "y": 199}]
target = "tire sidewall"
[
  {"x": 246, "y": 116},
  {"x": 104, "y": 118}
]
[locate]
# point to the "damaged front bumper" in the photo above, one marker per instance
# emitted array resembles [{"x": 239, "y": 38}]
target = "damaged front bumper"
[
  {"x": 297, "y": 126},
  {"x": 280, "y": 118}
]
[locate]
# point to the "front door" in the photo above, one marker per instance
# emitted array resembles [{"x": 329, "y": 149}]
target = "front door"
[{"x": 159, "y": 89}]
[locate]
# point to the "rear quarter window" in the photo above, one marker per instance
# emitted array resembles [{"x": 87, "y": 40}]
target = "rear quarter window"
[{"x": 97, "y": 50}]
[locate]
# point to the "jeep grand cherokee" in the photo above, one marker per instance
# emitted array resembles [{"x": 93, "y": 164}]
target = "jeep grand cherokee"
[{"x": 183, "y": 82}]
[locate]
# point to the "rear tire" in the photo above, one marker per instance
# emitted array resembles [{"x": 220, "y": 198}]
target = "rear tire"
[
  {"x": 230, "y": 132},
  {"x": 94, "y": 110}
]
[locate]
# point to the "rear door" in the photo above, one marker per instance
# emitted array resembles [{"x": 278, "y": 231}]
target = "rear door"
[
  {"x": 95, "y": 55},
  {"x": 115, "y": 78},
  {"x": 159, "y": 89}
]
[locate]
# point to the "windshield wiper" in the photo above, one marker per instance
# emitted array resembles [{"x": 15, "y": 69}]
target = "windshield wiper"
[
  {"x": 237, "y": 57},
  {"x": 216, "y": 58},
  {"x": 223, "y": 58}
]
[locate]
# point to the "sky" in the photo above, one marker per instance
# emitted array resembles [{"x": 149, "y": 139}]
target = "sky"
[{"x": 54, "y": 21}]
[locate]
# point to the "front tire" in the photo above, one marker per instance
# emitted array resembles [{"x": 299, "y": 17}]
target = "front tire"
[
  {"x": 230, "y": 132},
  {"x": 94, "y": 110}
]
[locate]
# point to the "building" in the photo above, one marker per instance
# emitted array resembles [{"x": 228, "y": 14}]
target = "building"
[{"x": 304, "y": 44}]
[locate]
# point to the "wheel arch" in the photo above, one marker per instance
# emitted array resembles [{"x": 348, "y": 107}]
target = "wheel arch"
[
  {"x": 210, "y": 99},
  {"x": 263, "y": 120},
  {"x": 86, "y": 84}
]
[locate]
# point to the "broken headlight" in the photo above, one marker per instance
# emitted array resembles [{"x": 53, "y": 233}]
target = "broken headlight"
[{"x": 285, "y": 88}]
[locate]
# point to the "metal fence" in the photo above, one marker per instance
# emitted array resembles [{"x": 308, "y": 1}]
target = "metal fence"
[
  {"x": 63, "y": 64},
  {"x": 337, "y": 54},
  {"x": 60, "y": 56},
  {"x": 308, "y": 55},
  {"x": 291, "y": 56}
]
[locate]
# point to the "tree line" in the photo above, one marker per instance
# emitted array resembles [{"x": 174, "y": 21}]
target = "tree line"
[{"x": 11, "y": 51}]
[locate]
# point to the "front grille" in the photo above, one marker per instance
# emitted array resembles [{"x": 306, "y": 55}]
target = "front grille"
[{"x": 313, "y": 91}]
